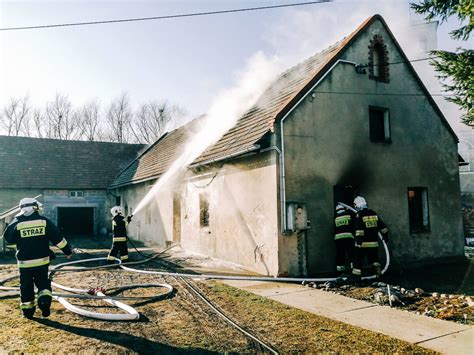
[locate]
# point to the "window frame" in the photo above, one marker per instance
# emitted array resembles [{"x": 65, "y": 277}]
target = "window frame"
[
  {"x": 425, "y": 227},
  {"x": 76, "y": 193},
  {"x": 386, "y": 124}
]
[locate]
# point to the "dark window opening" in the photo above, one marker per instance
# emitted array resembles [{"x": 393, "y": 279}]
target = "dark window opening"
[
  {"x": 378, "y": 60},
  {"x": 418, "y": 209},
  {"x": 117, "y": 200},
  {"x": 379, "y": 125},
  {"x": 203, "y": 210},
  {"x": 379, "y": 63}
]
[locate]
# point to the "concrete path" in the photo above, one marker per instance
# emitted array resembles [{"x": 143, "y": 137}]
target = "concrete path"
[{"x": 435, "y": 334}]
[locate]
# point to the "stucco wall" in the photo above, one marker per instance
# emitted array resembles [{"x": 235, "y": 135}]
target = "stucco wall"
[
  {"x": 153, "y": 224},
  {"x": 327, "y": 143},
  {"x": 243, "y": 214}
]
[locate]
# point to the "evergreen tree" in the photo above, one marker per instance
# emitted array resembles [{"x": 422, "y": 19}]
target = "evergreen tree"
[{"x": 455, "y": 68}]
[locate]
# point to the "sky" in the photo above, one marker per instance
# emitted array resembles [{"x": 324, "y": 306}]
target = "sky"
[{"x": 186, "y": 61}]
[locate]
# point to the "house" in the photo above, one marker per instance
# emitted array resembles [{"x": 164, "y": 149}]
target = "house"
[
  {"x": 71, "y": 178},
  {"x": 353, "y": 119}
]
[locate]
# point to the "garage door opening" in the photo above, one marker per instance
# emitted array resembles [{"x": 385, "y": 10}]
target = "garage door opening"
[{"x": 76, "y": 220}]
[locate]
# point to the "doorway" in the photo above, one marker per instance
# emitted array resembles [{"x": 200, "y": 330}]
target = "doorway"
[
  {"x": 345, "y": 194},
  {"x": 76, "y": 220}
]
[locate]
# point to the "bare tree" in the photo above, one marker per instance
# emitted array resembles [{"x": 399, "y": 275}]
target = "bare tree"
[
  {"x": 89, "y": 118},
  {"x": 151, "y": 119},
  {"x": 39, "y": 125},
  {"x": 16, "y": 116},
  {"x": 118, "y": 119},
  {"x": 61, "y": 119}
]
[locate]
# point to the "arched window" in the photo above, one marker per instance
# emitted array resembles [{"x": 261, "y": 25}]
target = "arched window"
[{"x": 378, "y": 60}]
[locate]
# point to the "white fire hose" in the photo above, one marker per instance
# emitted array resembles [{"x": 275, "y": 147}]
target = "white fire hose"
[{"x": 131, "y": 313}]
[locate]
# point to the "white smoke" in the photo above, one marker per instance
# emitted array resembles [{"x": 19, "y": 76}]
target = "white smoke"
[{"x": 226, "y": 109}]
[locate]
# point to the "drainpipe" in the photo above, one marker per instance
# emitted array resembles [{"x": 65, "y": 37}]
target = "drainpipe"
[
  {"x": 282, "y": 152},
  {"x": 282, "y": 184}
]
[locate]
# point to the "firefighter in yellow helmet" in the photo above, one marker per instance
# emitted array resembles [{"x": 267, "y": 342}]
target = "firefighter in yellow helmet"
[
  {"x": 32, "y": 234},
  {"x": 119, "y": 237},
  {"x": 367, "y": 226}
]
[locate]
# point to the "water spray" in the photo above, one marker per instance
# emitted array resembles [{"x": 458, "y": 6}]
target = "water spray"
[{"x": 223, "y": 114}]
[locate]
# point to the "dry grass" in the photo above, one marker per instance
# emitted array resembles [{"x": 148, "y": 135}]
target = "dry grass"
[{"x": 183, "y": 324}]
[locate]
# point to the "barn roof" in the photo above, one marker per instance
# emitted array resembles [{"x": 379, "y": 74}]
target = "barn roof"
[
  {"x": 29, "y": 163},
  {"x": 275, "y": 102}
]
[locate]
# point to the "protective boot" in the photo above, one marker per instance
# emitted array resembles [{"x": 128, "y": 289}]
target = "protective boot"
[
  {"x": 44, "y": 303},
  {"x": 29, "y": 312}
]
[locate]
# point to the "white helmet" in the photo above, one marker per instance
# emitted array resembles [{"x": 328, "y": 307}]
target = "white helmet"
[
  {"x": 28, "y": 205},
  {"x": 360, "y": 203},
  {"x": 116, "y": 210}
]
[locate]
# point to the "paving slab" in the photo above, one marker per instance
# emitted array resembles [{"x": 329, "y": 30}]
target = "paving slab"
[
  {"x": 399, "y": 324},
  {"x": 435, "y": 334},
  {"x": 461, "y": 343}
]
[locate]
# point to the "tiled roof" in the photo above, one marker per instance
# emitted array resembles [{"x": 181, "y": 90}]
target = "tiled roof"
[
  {"x": 249, "y": 129},
  {"x": 275, "y": 102},
  {"x": 158, "y": 157},
  {"x": 39, "y": 163}
]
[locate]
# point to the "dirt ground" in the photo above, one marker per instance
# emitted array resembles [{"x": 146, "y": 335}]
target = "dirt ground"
[
  {"x": 443, "y": 291},
  {"x": 180, "y": 322}
]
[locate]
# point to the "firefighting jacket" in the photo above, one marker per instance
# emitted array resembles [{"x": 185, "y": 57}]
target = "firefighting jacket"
[
  {"x": 32, "y": 235},
  {"x": 344, "y": 225},
  {"x": 367, "y": 226},
  {"x": 119, "y": 228}
]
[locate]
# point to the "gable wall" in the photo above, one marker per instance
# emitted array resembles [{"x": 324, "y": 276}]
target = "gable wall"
[{"x": 327, "y": 143}]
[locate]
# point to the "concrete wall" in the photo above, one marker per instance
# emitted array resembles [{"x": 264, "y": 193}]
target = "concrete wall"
[
  {"x": 327, "y": 143},
  {"x": 243, "y": 214},
  {"x": 97, "y": 199}
]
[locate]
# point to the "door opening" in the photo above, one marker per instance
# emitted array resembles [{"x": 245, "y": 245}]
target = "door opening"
[
  {"x": 76, "y": 220},
  {"x": 345, "y": 194}
]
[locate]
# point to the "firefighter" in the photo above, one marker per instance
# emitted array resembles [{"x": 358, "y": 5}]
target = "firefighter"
[
  {"x": 367, "y": 226},
  {"x": 119, "y": 238},
  {"x": 32, "y": 233},
  {"x": 344, "y": 239}
]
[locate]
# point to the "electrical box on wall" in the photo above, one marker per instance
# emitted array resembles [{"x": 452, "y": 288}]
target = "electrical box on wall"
[{"x": 296, "y": 217}]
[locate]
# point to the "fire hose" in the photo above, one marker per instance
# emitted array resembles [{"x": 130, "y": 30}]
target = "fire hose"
[
  {"x": 131, "y": 313},
  {"x": 97, "y": 294}
]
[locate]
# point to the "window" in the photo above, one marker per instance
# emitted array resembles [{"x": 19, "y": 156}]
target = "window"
[
  {"x": 76, "y": 193},
  {"x": 117, "y": 200},
  {"x": 203, "y": 210},
  {"x": 378, "y": 60},
  {"x": 418, "y": 209},
  {"x": 379, "y": 125}
]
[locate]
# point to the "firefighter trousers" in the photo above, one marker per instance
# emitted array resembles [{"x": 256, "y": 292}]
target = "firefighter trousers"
[
  {"x": 118, "y": 248},
  {"x": 344, "y": 254},
  {"x": 30, "y": 277},
  {"x": 372, "y": 255}
]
